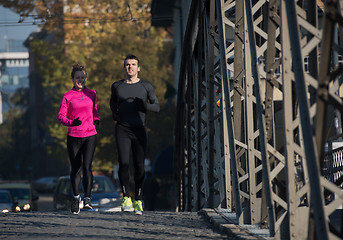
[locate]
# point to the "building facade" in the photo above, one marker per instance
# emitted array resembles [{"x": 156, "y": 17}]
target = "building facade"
[{"x": 14, "y": 72}]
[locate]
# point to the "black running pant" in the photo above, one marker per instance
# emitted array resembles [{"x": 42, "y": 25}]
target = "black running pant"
[
  {"x": 81, "y": 152},
  {"x": 128, "y": 139}
]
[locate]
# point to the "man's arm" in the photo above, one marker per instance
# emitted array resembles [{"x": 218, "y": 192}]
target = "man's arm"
[
  {"x": 114, "y": 104},
  {"x": 153, "y": 104}
]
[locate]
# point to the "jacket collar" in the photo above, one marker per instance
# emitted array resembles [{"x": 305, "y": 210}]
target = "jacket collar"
[{"x": 74, "y": 89}]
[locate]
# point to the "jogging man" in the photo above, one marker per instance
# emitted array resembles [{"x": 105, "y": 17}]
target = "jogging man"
[{"x": 130, "y": 99}]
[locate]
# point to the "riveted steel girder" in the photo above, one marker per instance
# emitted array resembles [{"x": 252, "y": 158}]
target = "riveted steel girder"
[{"x": 253, "y": 99}]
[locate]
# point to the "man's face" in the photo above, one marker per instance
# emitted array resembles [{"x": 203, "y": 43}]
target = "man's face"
[{"x": 131, "y": 67}]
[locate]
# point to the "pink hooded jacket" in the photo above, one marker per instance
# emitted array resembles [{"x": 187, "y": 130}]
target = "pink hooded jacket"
[{"x": 82, "y": 105}]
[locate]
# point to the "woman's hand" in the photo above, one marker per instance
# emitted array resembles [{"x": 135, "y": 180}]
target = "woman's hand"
[{"x": 76, "y": 122}]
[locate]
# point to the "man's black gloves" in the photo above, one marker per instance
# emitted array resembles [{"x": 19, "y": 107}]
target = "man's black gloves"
[
  {"x": 141, "y": 105},
  {"x": 115, "y": 117},
  {"x": 76, "y": 122}
]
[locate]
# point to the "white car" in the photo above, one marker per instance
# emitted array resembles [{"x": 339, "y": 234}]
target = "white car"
[
  {"x": 7, "y": 204},
  {"x": 23, "y": 193}
]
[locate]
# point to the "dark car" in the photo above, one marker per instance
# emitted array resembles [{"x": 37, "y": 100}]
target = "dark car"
[
  {"x": 23, "y": 193},
  {"x": 45, "y": 184},
  {"x": 104, "y": 196},
  {"x": 7, "y": 203}
]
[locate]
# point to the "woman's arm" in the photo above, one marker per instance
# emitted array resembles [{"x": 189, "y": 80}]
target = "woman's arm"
[
  {"x": 95, "y": 110},
  {"x": 62, "y": 114}
]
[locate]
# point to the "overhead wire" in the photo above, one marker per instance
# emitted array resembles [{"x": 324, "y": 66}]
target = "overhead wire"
[
  {"x": 77, "y": 21},
  {"x": 41, "y": 19}
]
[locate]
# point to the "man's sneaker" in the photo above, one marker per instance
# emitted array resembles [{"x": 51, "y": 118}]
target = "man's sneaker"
[
  {"x": 138, "y": 207},
  {"x": 75, "y": 206},
  {"x": 126, "y": 204},
  {"x": 87, "y": 203}
]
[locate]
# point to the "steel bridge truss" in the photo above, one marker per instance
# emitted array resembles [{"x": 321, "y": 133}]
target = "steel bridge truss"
[{"x": 252, "y": 121}]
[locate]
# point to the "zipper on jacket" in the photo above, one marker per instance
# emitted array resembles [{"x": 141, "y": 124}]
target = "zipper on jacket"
[{"x": 81, "y": 95}]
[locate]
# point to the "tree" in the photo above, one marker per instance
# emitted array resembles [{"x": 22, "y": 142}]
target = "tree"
[
  {"x": 98, "y": 34},
  {"x": 14, "y": 135}
]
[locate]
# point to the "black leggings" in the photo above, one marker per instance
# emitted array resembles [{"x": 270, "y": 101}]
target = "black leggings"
[
  {"x": 128, "y": 139},
  {"x": 81, "y": 152}
]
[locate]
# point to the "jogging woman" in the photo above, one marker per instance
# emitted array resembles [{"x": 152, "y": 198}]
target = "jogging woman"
[{"x": 79, "y": 113}]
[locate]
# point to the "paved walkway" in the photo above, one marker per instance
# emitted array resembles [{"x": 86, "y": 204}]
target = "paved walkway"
[{"x": 110, "y": 225}]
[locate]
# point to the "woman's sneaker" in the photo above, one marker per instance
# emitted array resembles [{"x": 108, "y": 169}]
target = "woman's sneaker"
[
  {"x": 87, "y": 203},
  {"x": 138, "y": 207},
  {"x": 75, "y": 206},
  {"x": 126, "y": 204}
]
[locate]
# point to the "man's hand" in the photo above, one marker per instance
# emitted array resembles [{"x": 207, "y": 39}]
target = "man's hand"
[
  {"x": 141, "y": 105},
  {"x": 76, "y": 122},
  {"x": 115, "y": 117}
]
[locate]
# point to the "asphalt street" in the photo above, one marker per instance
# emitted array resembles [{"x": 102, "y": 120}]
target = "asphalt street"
[
  {"x": 49, "y": 224},
  {"x": 106, "y": 225},
  {"x": 45, "y": 202}
]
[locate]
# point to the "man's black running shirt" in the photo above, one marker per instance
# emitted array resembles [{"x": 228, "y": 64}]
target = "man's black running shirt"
[{"x": 129, "y": 102}]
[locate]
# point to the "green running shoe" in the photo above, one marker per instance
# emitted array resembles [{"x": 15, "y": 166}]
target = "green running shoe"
[
  {"x": 138, "y": 207},
  {"x": 126, "y": 204}
]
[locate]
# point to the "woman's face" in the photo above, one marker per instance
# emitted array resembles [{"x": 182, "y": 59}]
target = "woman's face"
[{"x": 79, "y": 80}]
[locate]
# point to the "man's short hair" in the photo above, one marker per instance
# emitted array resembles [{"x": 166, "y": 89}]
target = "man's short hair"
[{"x": 131, "y": 57}]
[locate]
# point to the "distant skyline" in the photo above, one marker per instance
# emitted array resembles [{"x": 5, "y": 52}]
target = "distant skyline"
[{"x": 11, "y": 29}]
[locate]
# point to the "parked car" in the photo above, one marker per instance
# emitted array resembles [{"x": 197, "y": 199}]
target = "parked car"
[
  {"x": 23, "y": 193},
  {"x": 45, "y": 184},
  {"x": 104, "y": 196},
  {"x": 7, "y": 203}
]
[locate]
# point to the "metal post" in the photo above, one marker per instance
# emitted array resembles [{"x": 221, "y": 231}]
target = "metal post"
[
  {"x": 310, "y": 150},
  {"x": 228, "y": 111},
  {"x": 259, "y": 107}
]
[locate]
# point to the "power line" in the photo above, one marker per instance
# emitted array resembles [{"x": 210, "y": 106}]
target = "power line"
[
  {"x": 16, "y": 25},
  {"x": 77, "y": 20}
]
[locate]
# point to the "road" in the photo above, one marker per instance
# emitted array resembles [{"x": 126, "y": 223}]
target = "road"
[
  {"x": 49, "y": 224},
  {"x": 102, "y": 225},
  {"x": 45, "y": 202}
]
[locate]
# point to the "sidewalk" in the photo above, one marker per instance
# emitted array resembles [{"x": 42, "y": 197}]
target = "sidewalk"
[{"x": 225, "y": 222}]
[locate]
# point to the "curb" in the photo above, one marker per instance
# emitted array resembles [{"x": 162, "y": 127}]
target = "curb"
[{"x": 224, "y": 225}]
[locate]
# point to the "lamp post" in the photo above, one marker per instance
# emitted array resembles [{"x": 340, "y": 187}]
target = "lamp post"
[
  {"x": 0, "y": 106},
  {"x": 0, "y": 96}
]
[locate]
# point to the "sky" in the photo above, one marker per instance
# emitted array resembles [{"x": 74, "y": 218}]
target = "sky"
[{"x": 10, "y": 28}]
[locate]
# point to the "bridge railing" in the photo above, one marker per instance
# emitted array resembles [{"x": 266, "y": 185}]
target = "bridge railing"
[{"x": 250, "y": 134}]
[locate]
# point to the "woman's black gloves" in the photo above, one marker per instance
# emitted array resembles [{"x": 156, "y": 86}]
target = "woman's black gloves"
[{"x": 76, "y": 122}]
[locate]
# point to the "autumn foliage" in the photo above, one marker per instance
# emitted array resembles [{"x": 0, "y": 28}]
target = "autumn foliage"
[{"x": 98, "y": 34}]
